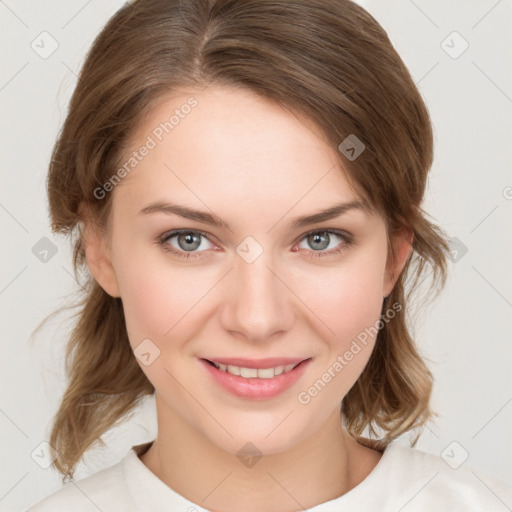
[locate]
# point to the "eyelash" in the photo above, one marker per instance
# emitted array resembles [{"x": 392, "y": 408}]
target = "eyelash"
[{"x": 187, "y": 255}]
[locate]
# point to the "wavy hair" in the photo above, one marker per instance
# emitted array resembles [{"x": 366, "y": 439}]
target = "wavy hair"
[{"x": 328, "y": 61}]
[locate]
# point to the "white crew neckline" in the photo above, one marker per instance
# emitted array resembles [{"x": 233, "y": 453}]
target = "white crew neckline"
[
  {"x": 403, "y": 477},
  {"x": 149, "y": 492}
]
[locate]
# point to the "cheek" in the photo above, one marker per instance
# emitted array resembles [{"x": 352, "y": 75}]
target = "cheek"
[
  {"x": 347, "y": 299},
  {"x": 348, "y": 302},
  {"x": 155, "y": 292},
  {"x": 159, "y": 300}
]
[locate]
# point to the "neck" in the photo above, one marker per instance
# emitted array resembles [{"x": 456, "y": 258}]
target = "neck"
[{"x": 323, "y": 467}]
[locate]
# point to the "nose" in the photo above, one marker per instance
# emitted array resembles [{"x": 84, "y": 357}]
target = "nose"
[{"x": 260, "y": 305}]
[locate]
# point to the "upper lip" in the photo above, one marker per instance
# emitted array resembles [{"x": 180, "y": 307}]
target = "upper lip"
[{"x": 268, "y": 362}]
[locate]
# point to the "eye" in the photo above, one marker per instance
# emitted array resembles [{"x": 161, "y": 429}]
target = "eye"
[
  {"x": 185, "y": 243},
  {"x": 321, "y": 240},
  {"x": 188, "y": 243}
]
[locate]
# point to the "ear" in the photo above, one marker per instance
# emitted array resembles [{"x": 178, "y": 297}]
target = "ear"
[
  {"x": 402, "y": 244},
  {"x": 97, "y": 254}
]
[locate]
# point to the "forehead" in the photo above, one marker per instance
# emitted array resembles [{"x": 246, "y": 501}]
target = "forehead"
[
  {"x": 233, "y": 145},
  {"x": 230, "y": 121}
]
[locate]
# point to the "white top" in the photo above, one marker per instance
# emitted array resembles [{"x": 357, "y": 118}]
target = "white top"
[{"x": 405, "y": 479}]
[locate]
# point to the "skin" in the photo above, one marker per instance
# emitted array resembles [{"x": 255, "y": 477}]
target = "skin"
[{"x": 257, "y": 166}]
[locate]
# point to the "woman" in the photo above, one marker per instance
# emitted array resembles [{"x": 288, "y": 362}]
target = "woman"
[{"x": 244, "y": 179}]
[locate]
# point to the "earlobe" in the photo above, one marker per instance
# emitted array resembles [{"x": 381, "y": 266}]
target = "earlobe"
[
  {"x": 98, "y": 260},
  {"x": 402, "y": 244}
]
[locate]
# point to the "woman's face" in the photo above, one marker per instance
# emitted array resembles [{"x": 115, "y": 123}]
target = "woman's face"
[{"x": 257, "y": 284}]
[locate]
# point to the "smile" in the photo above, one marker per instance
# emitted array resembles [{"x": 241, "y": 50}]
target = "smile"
[
  {"x": 254, "y": 373},
  {"x": 255, "y": 379}
]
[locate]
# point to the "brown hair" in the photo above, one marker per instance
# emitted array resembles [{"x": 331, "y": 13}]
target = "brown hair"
[{"x": 328, "y": 61}]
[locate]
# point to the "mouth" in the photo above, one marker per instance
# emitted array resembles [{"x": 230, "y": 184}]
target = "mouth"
[
  {"x": 256, "y": 370},
  {"x": 256, "y": 379}
]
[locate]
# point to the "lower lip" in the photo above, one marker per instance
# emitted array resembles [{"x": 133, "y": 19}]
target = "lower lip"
[{"x": 256, "y": 389}]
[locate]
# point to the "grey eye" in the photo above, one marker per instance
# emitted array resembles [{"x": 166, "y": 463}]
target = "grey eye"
[
  {"x": 187, "y": 241},
  {"x": 319, "y": 240}
]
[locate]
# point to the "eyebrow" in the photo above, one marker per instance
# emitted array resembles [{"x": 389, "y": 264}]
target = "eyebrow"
[{"x": 212, "y": 219}]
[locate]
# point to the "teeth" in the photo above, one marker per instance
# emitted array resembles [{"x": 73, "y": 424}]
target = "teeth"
[
  {"x": 235, "y": 370},
  {"x": 249, "y": 373},
  {"x": 252, "y": 373},
  {"x": 266, "y": 373}
]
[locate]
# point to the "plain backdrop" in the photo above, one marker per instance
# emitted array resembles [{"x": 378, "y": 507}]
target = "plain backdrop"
[{"x": 459, "y": 54}]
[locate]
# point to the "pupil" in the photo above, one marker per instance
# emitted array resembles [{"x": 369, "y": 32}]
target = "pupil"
[
  {"x": 317, "y": 239},
  {"x": 189, "y": 239}
]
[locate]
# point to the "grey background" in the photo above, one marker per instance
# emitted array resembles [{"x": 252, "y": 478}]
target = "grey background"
[{"x": 465, "y": 333}]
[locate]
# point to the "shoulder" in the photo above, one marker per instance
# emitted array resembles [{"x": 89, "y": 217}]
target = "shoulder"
[
  {"x": 425, "y": 481},
  {"x": 104, "y": 490}
]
